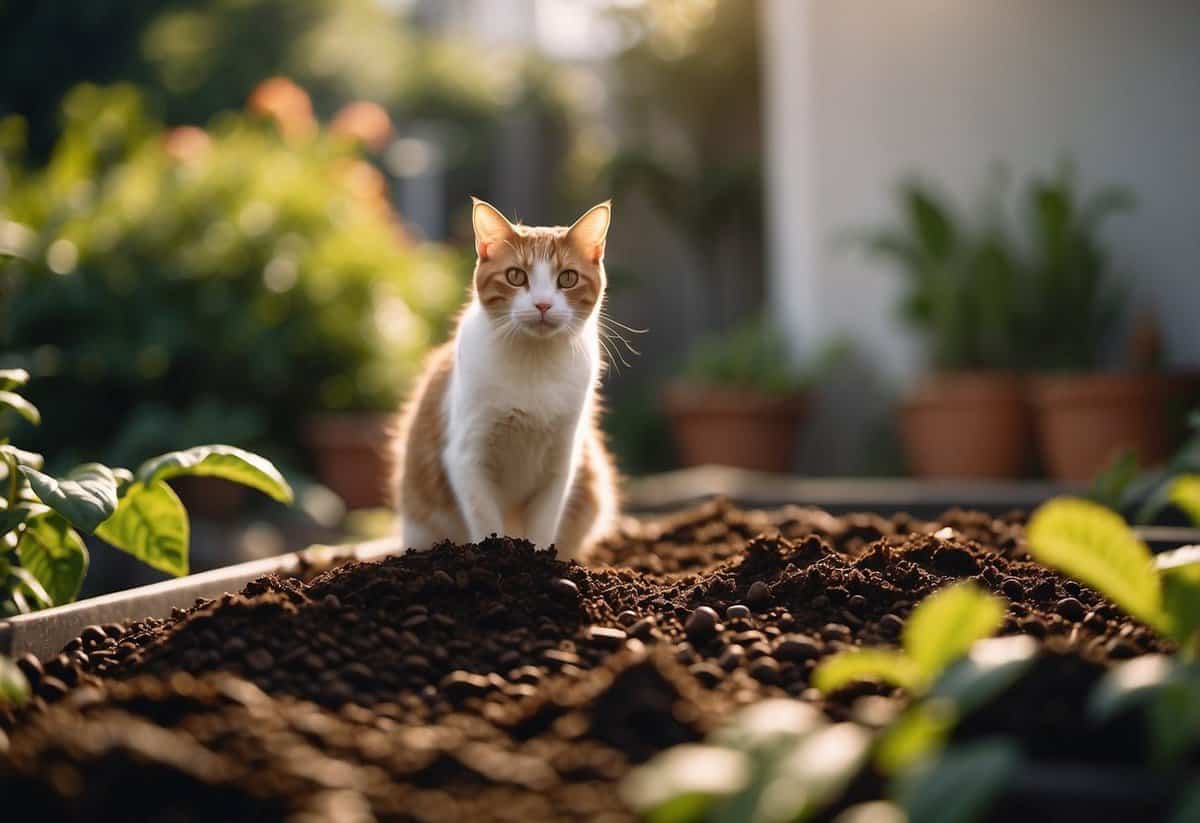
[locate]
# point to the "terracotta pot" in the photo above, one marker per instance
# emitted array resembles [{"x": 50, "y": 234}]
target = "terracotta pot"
[
  {"x": 734, "y": 427},
  {"x": 353, "y": 453},
  {"x": 1085, "y": 420},
  {"x": 967, "y": 425}
]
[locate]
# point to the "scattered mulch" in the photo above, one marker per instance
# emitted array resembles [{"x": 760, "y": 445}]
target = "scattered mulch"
[{"x": 495, "y": 682}]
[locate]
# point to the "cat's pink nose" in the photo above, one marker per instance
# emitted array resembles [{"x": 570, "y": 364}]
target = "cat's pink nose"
[{"x": 542, "y": 307}]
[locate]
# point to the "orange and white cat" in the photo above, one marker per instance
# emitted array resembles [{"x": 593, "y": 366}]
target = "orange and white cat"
[{"x": 500, "y": 434}]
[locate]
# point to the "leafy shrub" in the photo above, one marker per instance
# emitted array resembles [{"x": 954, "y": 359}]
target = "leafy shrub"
[
  {"x": 43, "y": 559},
  {"x": 755, "y": 356},
  {"x": 208, "y": 285}
]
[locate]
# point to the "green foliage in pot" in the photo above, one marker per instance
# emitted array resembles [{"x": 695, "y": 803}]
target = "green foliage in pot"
[
  {"x": 963, "y": 282},
  {"x": 208, "y": 285},
  {"x": 986, "y": 300},
  {"x": 756, "y": 357},
  {"x": 1076, "y": 300},
  {"x": 43, "y": 558}
]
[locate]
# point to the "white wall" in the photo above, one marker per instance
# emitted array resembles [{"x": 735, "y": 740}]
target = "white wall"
[{"x": 863, "y": 92}]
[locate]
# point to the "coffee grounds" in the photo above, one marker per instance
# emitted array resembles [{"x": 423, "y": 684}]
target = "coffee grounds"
[{"x": 495, "y": 682}]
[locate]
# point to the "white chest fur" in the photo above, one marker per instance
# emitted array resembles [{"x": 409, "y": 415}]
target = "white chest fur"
[{"x": 514, "y": 412}]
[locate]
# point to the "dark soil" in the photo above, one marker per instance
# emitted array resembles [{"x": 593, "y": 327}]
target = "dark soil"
[{"x": 494, "y": 682}]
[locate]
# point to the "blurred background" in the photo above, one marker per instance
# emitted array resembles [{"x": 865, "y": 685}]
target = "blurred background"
[{"x": 924, "y": 238}]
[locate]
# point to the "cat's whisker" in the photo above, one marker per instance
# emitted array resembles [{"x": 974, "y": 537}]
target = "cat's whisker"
[{"x": 608, "y": 318}]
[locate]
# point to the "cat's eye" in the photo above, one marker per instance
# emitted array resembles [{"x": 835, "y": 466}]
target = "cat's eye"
[
  {"x": 516, "y": 277},
  {"x": 567, "y": 278}
]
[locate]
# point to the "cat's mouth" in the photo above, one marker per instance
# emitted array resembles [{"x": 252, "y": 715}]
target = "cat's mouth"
[{"x": 544, "y": 327}]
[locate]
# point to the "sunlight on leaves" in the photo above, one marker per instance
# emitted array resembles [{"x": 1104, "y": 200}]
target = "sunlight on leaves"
[
  {"x": 846, "y": 667},
  {"x": 946, "y": 623},
  {"x": 1185, "y": 493},
  {"x": 1095, "y": 546},
  {"x": 55, "y": 554},
  {"x": 21, "y": 406},
  {"x": 227, "y": 462},
  {"x": 86, "y": 497},
  {"x": 152, "y": 525}
]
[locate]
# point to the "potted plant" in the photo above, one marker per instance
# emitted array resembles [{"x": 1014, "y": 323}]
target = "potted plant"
[
  {"x": 740, "y": 400},
  {"x": 1084, "y": 416},
  {"x": 969, "y": 417}
]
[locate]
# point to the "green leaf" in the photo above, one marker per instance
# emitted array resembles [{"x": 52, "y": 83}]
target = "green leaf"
[
  {"x": 923, "y": 728},
  {"x": 27, "y": 582},
  {"x": 1185, "y": 493},
  {"x": 682, "y": 782},
  {"x": 1179, "y": 571},
  {"x": 18, "y": 514},
  {"x": 151, "y": 524},
  {"x": 960, "y": 785},
  {"x": 55, "y": 554},
  {"x": 1095, "y": 546},
  {"x": 13, "y": 378},
  {"x": 989, "y": 668},
  {"x": 942, "y": 628},
  {"x": 227, "y": 462},
  {"x": 87, "y": 496},
  {"x": 21, "y": 457},
  {"x": 845, "y": 667},
  {"x": 21, "y": 406},
  {"x": 14, "y": 688},
  {"x": 1188, "y": 808}
]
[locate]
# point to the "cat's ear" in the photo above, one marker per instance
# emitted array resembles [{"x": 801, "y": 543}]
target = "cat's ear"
[
  {"x": 588, "y": 232},
  {"x": 491, "y": 228}
]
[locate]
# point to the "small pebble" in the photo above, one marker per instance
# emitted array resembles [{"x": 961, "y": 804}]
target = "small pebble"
[
  {"x": 765, "y": 670},
  {"x": 565, "y": 587},
  {"x": 737, "y": 612},
  {"x": 796, "y": 647},
  {"x": 260, "y": 660},
  {"x": 627, "y": 618},
  {"x": 759, "y": 594},
  {"x": 702, "y": 623},
  {"x": 606, "y": 637},
  {"x": 857, "y": 603},
  {"x": 1070, "y": 608},
  {"x": 731, "y": 658},
  {"x": 643, "y": 629},
  {"x": 1011, "y": 587},
  {"x": 891, "y": 624},
  {"x": 707, "y": 673}
]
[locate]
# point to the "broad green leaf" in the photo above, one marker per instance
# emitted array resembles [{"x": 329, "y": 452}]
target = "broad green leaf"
[
  {"x": 1187, "y": 807},
  {"x": 21, "y": 457},
  {"x": 151, "y": 524},
  {"x": 87, "y": 496},
  {"x": 1185, "y": 493},
  {"x": 14, "y": 688},
  {"x": 227, "y": 462},
  {"x": 55, "y": 554},
  {"x": 18, "y": 514},
  {"x": 945, "y": 624},
  {"x": 764, "y": 725},
  {"x": 960, "y": 785},
  {"x": 923, "y": 728},
  {"x": 13, "y": 378},
  {"x": 27, "y": 582},
  {"x": 848, "y": 666},
  {"x": 21, "y": 406},
  {"x": 1095, "y": 546},
  {"x": 988, "y": 668},
  {"x": 680, "y": 783},
  {"x": 1179, "y": 571}
]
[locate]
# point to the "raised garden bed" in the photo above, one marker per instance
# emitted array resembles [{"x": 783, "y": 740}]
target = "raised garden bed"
[{"x": 497, "y": 683}]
